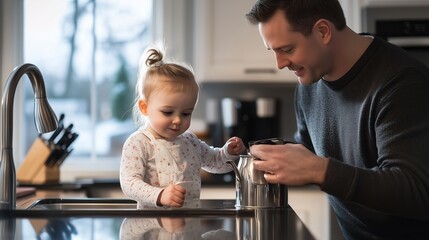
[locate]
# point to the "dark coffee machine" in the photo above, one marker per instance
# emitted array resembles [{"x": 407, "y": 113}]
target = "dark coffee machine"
[
  {"x": 251, "y": 119},
  {"x": 248, "y": 119}
]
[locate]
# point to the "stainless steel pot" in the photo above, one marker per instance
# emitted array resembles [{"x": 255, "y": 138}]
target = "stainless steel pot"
[{"x": 252, "y": 190}]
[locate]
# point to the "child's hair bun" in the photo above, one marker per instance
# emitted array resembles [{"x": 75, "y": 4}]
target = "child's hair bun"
[{"x": 154, "y": 58}]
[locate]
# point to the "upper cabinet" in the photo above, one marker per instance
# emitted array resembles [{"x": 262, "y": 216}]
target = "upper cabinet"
[{"x": 228, "y": 48}]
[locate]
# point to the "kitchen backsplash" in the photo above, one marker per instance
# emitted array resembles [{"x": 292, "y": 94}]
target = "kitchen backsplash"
[{"x": 250, "y": 91}]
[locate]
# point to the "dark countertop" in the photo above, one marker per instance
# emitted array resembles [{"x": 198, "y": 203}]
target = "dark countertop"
[{"x": 217, "y": 219}]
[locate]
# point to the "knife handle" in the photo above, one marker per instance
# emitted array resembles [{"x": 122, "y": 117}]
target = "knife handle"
[{"x": 58, "y": 130}]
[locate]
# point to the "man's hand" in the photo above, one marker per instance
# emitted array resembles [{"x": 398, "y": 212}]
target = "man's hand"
[{"x": 290, "y": 164}]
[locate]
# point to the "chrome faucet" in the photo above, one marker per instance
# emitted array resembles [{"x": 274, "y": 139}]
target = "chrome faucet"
[{"x": 44, "y": 118}]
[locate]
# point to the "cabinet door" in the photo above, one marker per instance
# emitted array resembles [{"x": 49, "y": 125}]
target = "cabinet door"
[
  {"x": 228, "y": 48},
  {"x": 312, "y": 207}
]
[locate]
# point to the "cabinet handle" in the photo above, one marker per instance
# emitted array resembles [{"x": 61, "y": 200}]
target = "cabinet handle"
[{"x": 260, "y": 70}]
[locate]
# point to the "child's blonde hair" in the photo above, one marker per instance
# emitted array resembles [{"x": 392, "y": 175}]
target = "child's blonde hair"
[{"x": 156, "y": 74}]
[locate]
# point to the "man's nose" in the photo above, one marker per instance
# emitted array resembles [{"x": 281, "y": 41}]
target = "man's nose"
[{"x": 282, "y": 61}]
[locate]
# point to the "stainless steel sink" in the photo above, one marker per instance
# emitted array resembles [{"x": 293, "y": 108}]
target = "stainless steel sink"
[
  {"x": 83, "y": 204},
  {"x": 111, "y": 206}
]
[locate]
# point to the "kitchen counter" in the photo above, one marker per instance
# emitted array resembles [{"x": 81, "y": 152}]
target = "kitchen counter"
[
  {"x": 216, "y": 219},
  {"x": 307, "y": 202}
]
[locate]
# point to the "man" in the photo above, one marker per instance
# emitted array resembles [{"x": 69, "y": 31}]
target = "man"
[{"x": 362, "y": 109}]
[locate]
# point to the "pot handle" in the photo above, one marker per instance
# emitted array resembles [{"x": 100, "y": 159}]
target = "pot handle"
[{"x": 235, "y": 168}]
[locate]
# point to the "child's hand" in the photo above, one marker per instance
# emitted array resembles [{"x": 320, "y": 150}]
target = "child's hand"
[
  {"x": 235, "y": 146},
  {"x": 172, "y": 196}
]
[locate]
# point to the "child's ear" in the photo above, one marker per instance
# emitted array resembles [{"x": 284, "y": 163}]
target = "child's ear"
[{"x": 142, "y": 106}]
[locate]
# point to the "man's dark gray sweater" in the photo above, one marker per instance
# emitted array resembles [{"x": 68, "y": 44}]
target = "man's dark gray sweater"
[{"x": 373, "y": 125}]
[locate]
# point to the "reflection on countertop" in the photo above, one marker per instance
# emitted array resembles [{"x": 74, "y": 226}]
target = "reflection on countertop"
[{"x": 169, "y": 228}]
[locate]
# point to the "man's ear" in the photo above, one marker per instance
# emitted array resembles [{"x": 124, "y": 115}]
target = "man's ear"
[
  {"x": 324, "y": 29},
  {"x": 142, "y": 106}
]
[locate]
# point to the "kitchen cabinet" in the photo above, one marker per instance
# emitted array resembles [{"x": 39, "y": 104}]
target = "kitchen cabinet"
[
  {"x": 228, "y": 48},
  {"x": 312, "y": 207},
  {"x": 352, "y": 13}
]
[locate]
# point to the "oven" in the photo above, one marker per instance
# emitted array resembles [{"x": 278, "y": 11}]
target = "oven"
[
  {"x": 412, "y": 35},
  {"x": 404, "y": 26}
]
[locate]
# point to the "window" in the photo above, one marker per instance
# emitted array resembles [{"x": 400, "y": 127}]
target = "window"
[
  {"x": 107, "y": 37},
  {"x": 88, "y": 52}
]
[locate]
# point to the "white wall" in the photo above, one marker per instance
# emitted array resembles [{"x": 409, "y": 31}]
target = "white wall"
[{"x": 11, "y": 55}]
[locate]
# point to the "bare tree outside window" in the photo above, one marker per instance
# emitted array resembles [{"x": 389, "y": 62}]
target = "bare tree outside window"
[{"x": 88, "y": 52}]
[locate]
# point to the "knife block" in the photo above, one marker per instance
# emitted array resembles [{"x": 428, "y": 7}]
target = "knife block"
[{"x": 34, "y": 170}]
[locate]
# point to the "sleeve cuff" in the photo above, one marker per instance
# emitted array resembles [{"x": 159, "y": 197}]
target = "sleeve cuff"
[{"x": 227, "y": 155}]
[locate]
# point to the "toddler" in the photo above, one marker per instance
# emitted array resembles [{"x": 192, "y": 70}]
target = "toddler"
[{"x": 162, "y": 153}]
